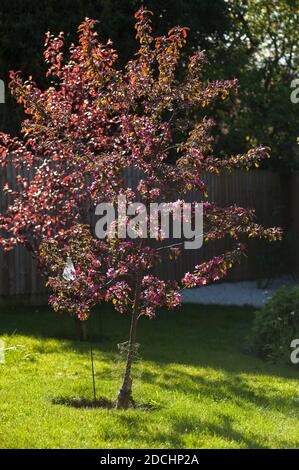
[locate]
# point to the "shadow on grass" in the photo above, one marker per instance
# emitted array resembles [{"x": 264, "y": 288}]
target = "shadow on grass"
[
  {"x": 180, "y": 426},
  {"x": 232, "y": 388},
  {"x": 99, "y": 403},
  {"x": 200, "y": 336},
  {"x": 84, "y": 402},
  {"x": 223, "y": 430}
]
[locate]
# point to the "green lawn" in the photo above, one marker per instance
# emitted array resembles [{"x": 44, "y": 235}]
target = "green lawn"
[{"x": 205, "y": 392}]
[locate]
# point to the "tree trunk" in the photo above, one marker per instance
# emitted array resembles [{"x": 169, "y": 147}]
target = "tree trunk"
[
  {"x": 81, "y": 331},
  {"x": 124, "y": 398}
]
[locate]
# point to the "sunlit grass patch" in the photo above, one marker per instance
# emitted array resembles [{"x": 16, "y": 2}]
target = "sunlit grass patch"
[{"x": 201, "y": 390}]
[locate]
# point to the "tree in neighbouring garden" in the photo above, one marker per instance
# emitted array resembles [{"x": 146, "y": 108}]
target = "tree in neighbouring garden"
[
  {"x": 83, "y": 132},
  {"x": 263, "y": 45}
]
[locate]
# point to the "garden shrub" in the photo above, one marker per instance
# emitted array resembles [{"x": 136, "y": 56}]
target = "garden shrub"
[{"x": 276, "y": 325}]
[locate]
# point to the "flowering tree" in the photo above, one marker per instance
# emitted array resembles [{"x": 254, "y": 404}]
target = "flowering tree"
[{"x": 94, "y": 122}]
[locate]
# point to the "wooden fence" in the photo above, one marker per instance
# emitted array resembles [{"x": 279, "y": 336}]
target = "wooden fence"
[{"x": 263, "y": 190}]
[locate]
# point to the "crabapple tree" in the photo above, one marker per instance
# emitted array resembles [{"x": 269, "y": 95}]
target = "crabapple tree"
[{"x": 83, "y": 132}]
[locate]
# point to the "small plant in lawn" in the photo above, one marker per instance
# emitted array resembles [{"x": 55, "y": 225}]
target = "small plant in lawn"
[{"x": 90, "y": 125}]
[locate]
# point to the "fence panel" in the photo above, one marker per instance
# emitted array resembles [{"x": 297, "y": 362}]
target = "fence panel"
[{"x": 259, "y": 189}]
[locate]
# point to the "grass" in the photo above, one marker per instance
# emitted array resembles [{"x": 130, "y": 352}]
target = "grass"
[{"x": 205, "y": 392}]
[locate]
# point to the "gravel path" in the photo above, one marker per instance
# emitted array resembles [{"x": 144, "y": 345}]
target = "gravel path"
[{"x": 235, "y": 293}]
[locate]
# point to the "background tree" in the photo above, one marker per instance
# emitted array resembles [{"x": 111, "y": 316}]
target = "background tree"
[
  {"x": 256, "y": 40},
  {"x": 94, "y": 122},
  {"x": 263, "y": 44}
]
